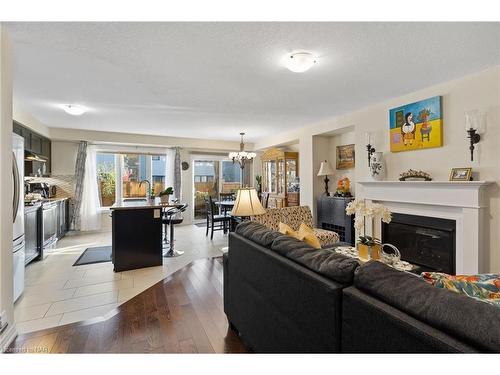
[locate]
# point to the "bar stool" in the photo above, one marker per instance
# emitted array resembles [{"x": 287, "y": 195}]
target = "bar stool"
[{"x": 171, "y": 218}]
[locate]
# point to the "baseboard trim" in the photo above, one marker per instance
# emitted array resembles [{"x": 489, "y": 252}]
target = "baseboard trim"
[{"x": 8, "y": 336}]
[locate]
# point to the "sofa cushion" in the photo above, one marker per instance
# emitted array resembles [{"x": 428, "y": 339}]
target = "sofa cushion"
[
  {"x": 257, "y": 233},
  {"x": 326, "y": 262},
  {"x": 296, "y": 215},
  {"x": 469, "y": 320},
  {"x": 270, "y": 219}
]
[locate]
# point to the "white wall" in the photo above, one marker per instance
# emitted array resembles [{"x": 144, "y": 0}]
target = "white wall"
[
  {"x": 342, "y": 139},
  {"x": 63, "y": 157},
  {"x": 6, "y": 278},
  {"x": 477, "y": 91}
]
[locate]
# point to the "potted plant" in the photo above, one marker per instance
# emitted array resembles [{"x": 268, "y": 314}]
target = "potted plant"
[
  {"x": 368, "y": 246},
  {"x": 165, "y": 194}
]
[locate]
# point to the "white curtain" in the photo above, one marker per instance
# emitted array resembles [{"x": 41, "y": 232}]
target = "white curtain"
[
  {"x": 170, "y": 169},
  {"x": 90, "y": 215}
]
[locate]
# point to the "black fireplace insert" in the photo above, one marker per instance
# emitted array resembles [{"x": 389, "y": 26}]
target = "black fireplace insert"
[{"x": 428, "y": 242}]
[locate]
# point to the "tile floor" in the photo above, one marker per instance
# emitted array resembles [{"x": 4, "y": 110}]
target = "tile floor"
[{"x": 57, "y": 293}]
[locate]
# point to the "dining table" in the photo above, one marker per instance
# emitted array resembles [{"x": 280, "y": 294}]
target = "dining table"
[{"x": 225, "y": 206}]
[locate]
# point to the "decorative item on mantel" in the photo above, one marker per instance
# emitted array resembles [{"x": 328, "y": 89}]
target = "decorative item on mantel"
[
  {"x": 461, "y": 174},
  {"x": 412, "y": 175},
  {"x": 368, "y": 246},
  {"x": 343, "y": 188},
  {"x": 377, "y": 167}
]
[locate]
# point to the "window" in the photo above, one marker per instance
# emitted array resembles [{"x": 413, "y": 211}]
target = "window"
[
  {"x": 106, "y": 179},
  {"x": 133, "y": 172},
  {"x": 158, "y": 173},
  {"x": 134, "y": 169},
  {"x": 231, "y": 176}
]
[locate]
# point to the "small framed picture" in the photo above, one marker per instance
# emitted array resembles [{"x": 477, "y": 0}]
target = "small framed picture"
[
  {"x": 345, "y": 157},
  {"x": 461, "y": 174}
]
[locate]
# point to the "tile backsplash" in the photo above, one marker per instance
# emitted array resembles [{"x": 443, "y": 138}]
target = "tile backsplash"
[{"x": 65, "y": 184}]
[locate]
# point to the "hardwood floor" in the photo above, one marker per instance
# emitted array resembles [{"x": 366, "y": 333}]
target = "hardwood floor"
[{"x": 181, "y": 314}]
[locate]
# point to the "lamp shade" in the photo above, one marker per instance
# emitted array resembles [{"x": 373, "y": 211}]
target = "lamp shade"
[
  {"x": 325, "y": 169},
  {"x": 247, "y": 203}
]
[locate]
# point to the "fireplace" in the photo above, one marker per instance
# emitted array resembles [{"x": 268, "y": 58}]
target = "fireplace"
[{"x": 425, "y": 241}]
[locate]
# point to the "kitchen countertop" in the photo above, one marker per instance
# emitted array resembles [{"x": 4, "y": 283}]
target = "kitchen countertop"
[
  {"x": 42, "y": 201},
  {"x": 136, "y": 204},
  {"x": 130, "y": 204}
]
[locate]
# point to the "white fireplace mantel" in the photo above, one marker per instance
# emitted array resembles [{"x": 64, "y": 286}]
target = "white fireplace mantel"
[
  {"x": 464, "y": 202},
  {"x": 440, "y": 193}
]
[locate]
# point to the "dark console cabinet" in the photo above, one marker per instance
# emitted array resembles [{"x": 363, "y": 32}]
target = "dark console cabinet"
[{"x": 332, "y": 216}]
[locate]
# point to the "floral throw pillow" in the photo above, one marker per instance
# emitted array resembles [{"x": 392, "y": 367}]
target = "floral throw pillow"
[{"x": 484, "y": 287}]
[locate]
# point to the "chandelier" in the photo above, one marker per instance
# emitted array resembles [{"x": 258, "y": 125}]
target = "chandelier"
[{"x": 242, "y": 156}]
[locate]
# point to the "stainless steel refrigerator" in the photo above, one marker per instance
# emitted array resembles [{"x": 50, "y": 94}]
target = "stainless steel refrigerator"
[{"x": 18, "y": 210}]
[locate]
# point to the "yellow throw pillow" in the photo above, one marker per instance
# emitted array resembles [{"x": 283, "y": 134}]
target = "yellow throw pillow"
[
  {"x": 310, "y": 238},
  {"x": 305, "y": 233},
  {"x": 287, "y": 229},
  {"x": 305, "y": 228}
]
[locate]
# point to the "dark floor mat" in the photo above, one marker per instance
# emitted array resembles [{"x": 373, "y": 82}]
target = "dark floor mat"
[
  {"x": 92, "y": 255},
  {"x": 201, "y": 225}
]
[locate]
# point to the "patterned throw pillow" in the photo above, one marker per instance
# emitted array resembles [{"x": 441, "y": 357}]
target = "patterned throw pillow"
[
  {"x": 484, "y": 287},
  {"x": 305, "y": 233}
]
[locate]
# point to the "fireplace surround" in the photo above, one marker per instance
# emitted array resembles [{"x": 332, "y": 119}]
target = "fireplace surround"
[
  {"x": 428, "y": 242},
  {"x": 465, "y": 203}
]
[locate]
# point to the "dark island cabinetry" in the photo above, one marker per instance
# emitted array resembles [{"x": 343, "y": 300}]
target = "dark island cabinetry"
[{"x": 137, "y": 236}]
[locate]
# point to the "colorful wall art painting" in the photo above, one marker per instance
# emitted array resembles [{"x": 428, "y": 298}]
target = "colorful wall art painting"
[{"x": 417, "y": 125}]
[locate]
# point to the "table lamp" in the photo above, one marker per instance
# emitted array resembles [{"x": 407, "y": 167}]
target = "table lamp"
[
  {"x": 325, "y": 170},
  {"x": 247, "y": 203}
]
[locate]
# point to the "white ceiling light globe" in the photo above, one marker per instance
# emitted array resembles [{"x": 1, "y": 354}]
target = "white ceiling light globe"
[
  {"x": 73, "y": 109},
  {"x": 299, "y": 62}
]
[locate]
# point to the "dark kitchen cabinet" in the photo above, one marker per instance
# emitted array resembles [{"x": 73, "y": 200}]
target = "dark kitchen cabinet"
[
  {"x": 36, "y": 144},
  {"x": 32, "y": 232},
  {"x": 62, "y": 218}
]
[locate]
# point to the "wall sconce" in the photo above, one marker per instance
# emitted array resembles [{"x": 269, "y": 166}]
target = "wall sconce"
[
  {"x": 369, "y": 148},
  {"x": 474, "y": 124}
]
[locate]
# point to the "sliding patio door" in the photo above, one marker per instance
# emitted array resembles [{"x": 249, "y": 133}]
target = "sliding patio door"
[{"x": 212, "y": 176}]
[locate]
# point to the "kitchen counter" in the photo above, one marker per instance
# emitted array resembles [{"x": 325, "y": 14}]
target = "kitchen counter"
[
  {"x": 128, "y": 204},
  {"x": 32, "y": 207}
]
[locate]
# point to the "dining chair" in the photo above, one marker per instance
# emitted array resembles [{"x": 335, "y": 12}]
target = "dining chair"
[{"x": 215, "y": 222}]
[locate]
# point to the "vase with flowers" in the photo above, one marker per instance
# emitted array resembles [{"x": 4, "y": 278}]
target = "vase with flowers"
[{"x": 368, "y": 246}]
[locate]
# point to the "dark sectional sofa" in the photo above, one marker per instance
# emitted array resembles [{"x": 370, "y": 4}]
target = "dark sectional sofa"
[{"x": 283, "y": 296}]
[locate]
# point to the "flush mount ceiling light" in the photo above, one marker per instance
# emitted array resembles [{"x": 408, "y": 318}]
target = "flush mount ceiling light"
[
  {"x": 74, "y": 109},
  {"x": 300, "y": 62}
]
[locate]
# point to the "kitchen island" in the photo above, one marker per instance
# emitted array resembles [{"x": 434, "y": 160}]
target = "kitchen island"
[{"x": 137, "y": 234}]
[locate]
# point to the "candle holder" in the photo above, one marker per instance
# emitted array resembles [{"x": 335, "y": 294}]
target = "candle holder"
[
  {"x": 370, "y": 149},
  {"x": 474, "y": 138}
]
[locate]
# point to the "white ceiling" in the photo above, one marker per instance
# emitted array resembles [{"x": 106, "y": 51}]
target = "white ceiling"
[{"x": 213, "y": 80}]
